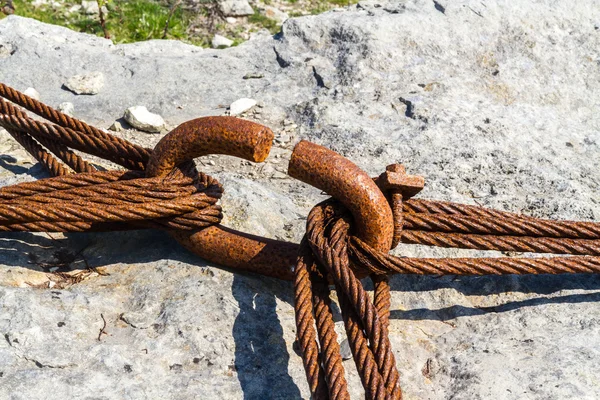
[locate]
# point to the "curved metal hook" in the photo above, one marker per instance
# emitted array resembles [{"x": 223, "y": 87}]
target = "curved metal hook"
[
  {"x": 218, "y": 244},
  {"x": 342, "y": 179},
  {"x": 210, "y": 135}
]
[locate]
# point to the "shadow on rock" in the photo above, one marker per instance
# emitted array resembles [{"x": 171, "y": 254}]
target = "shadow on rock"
[
  {"x": 90, "y": 249},
  {"x": 494, "y": 284},
  {"x": 8, "y": 162},
  {"x": 449, "y": 313},
  {"x": 261, "y": 356},
  {"x": 484, "y": 285}
]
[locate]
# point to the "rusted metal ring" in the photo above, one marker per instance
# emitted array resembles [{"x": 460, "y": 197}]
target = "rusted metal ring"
[
  {"x": 218, "y": 244},
  {"x": 343, "y": 180}
]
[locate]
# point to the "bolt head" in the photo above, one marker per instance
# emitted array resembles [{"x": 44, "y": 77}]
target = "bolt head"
[{"x": 396, "y": 179}]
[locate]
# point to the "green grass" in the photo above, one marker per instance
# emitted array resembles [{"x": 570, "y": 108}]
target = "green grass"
[
  {"x": 127, "y": 21},
  {"x": 320, "y": 7},
  {"x": 137, "y": 20},
  {"x": 268, "y": 23}
]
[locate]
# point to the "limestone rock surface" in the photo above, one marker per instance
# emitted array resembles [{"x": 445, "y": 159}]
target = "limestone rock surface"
[{"x": 494, "y": 103}]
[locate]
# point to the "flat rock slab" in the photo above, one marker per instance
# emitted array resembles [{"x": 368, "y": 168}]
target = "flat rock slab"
[{"x": 495, "y": 104}]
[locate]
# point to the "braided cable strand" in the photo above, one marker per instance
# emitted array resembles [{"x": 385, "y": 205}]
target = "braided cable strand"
[
  {"x": 307, "y": 337},
  {"x": 189, "y": 204},
  {"x": 330, "y": 349},
  {"x": 51, "y": 164},
  {"x": 34, "y": 148},
  {"x": 380, "y": 263},
  {"x": 138, "y": 153},
  {"x": 333, "y": 255},
  {"x": 504, "y": 243},
  {"x": 515, "y": 226},
  {"x": 107, "y": 149},
  {"x": 61, "y": 151}
]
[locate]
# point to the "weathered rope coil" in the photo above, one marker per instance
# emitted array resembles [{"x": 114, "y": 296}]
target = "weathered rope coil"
[{"x": 347, "y": 237}]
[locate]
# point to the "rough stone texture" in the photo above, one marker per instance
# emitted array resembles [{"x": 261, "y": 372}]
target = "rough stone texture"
[
  {"x": 494, "y": 103},
  {"x": 91, "y": 83}
]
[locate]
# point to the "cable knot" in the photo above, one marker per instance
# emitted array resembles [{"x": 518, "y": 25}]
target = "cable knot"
[{"x": 358, "y": 207}]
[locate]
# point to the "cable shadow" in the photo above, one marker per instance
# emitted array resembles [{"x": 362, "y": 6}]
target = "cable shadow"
[
  {"x": 495, "y": 284},
  {"x": 37, "y": 171},
  {"x": 80, "y": 251},
  {"x": 449, "y": 313},
  {"x": 261, "y": 356}
]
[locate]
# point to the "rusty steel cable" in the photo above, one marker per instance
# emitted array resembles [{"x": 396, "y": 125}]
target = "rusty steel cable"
[
  {"x": 515, "y": 226},
  {"x": 29, "y": 141},
  {"x": 327, "y": 236},
  {"x": 139, "y": 155},
  {"x": 131, "y": 202},
  {"x": 97, "y": 146},
  {"x": 50, "y": 163},
  {"x": 530, "y": 244},
  {"x": 347, "y": 237}
]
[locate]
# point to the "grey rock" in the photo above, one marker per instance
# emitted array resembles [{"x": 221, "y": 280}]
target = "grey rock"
[
  {"x": 139, "y": 117},
  {"x": 345, "y": 350},
  {"x": 91, "y": 83},
  {"x": 219, "y": 41},
  {"x": 120, "y": 125},
  {"x": 493, "y": 104},
  {"x": 235, "y": 8},
  {"x": 274, "y": 13}
]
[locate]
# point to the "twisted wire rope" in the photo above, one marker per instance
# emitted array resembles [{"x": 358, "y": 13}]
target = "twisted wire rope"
[{"x": 329, "y": 253}]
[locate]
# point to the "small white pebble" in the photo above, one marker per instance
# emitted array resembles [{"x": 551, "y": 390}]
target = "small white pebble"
[
  {"x": 220, "y": 41},
  {"x": 90, "y": 83},
  {"x": 241, "y": 105},
  {"x": 139, "y": 117}
]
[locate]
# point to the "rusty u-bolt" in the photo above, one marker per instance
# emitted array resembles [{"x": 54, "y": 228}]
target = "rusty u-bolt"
[
  {"x": 344, "y": 181},
  {"x": 218, "y": 244},
  {"x": 310, "y": 163}
]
